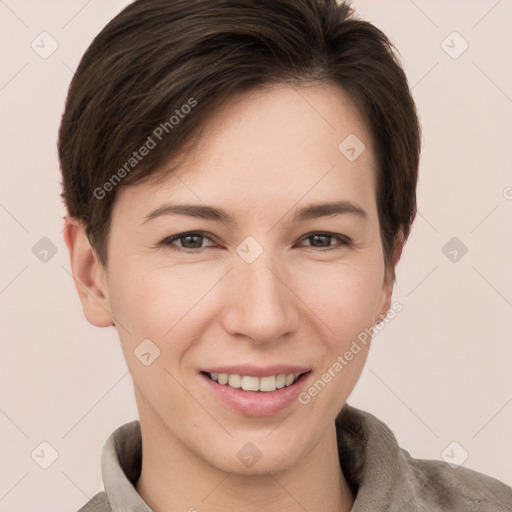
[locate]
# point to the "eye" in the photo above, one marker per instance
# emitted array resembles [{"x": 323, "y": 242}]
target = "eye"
[
  {"x": 324, "y": 240},
  {"x": 192, "y": 240}
]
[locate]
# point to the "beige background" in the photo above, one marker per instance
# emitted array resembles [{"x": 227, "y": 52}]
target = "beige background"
[{"x": 438, "y": 373}]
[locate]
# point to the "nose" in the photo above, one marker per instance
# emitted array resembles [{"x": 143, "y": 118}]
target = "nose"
[{"x": 261, "y": 304}]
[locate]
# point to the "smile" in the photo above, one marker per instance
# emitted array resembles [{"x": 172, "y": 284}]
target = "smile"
[
  {"x": 254, "y": 391},
  {"x": 250, "y": 383}
]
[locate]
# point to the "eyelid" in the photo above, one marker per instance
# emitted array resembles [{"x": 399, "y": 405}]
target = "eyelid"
[
  {"x": 344, "y": 241},
  {"x": 168, "y": 241}
]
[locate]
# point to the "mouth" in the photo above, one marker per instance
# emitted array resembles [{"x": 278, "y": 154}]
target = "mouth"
[
  {"x": 248, "y": 394},
  {"x": 266, "y": 384}
]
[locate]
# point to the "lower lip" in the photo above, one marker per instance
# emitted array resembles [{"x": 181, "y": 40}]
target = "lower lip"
[{"x": 257, "y": 403}]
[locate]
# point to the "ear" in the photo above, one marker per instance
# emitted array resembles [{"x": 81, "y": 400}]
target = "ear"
[
  {"x": 88, "y": 273},
  {"x": 389, "y": 276}
]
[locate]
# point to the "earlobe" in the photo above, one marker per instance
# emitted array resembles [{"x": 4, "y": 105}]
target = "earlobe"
[{"x": 88, "y": 274}]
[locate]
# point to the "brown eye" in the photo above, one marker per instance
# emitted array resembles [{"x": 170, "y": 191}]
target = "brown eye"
[
  {"x": 323, "y": 240},
  {"x": 188, "y": 241}
]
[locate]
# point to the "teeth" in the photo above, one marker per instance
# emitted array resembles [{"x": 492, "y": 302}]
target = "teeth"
[
  {"x": 249, "y": 383},
  {"x": 280, "y": 380},
  {"x": 268, "y": 383},
  {"x": 235, "y": 381}
]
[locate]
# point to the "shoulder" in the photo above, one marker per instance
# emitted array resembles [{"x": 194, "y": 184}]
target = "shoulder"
[
  {"x": 98, "y": 503},
  {"x": 385, "y": 477},
  {"x": 437, "y": 484}
]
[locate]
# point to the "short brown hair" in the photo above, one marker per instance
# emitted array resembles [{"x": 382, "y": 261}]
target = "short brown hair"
[{"x": 158, "y": 56}]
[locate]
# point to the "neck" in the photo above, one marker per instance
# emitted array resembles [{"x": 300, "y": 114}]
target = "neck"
[{"x": 174, "y": 478}]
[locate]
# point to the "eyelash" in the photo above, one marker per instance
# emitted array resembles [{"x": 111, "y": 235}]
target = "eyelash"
[{"x": 168, "y": 242}]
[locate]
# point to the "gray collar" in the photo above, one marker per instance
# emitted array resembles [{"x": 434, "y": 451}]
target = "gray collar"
[{"x": 383, "y": 476}]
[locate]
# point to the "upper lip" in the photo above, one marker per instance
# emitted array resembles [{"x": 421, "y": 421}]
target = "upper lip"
[{"x": 258, "y": 371}]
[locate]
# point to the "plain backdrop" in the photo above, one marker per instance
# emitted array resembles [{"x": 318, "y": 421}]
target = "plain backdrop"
[{"x": 439, "y": 373}]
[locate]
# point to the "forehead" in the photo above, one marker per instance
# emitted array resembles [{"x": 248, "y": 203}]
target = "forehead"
[{"x": 276, "y": 145}]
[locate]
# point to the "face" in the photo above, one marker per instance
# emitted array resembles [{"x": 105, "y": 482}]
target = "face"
[{"x": 271, "y": 286}]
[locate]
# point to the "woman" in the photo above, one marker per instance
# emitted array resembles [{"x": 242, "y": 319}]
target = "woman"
[{"x": 240, "y": 179}]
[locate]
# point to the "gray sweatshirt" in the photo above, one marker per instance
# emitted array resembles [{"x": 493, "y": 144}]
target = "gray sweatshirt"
[{"x": 383, "y": 476}]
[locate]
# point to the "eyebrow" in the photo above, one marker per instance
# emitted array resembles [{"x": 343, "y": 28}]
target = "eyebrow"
[{"x": 312, "y": 211}]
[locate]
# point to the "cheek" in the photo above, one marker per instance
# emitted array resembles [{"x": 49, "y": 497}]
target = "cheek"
[
  {"x": 344, "y": 295},
  {"x": 167, "y": 303},
  {"x": 155, "y": 298}
]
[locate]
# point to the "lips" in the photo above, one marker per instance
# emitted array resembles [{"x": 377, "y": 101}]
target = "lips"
[
  {"x": 235, "y": 387},
  {"x": 258, "y": 371}
]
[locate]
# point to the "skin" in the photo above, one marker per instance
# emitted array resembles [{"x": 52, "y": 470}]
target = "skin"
[{"x": 263, "y": 155}]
